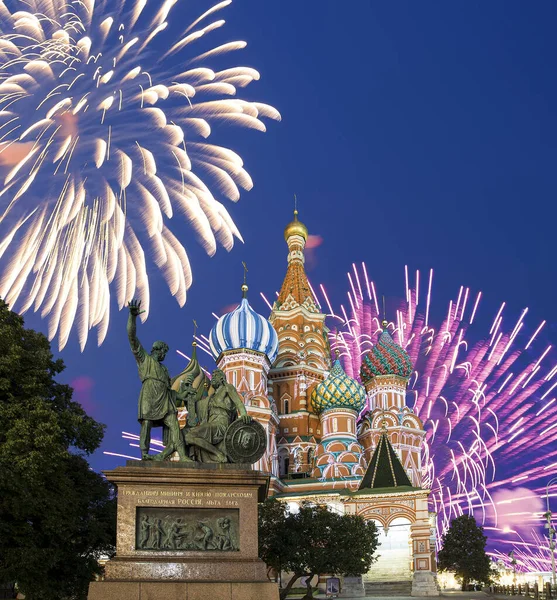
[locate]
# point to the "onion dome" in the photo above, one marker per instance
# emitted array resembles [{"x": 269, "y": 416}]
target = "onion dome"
[
  {"x": 296, "y": 227},
  {"x": 386, "y": 358},
  {"x": 243, "y": 328},
  {"x": 338, "y": 391},
  {"x": 193, "y": 370}
]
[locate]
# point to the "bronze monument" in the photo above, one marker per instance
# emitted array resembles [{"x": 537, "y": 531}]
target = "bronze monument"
[
  {"x": 187, "y": 517},
  {"x": 205, "y": 438}
]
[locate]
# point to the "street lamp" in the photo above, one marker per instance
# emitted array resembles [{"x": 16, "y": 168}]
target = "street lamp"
[
  {"x": 551, "y": 529},
  {"x": 513, "y": 565}
]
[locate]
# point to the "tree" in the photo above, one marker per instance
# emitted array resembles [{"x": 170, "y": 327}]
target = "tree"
[
  {"x": 57, "y": 516},
  {"x": 275, "y": 537},
  {"x": 463, "y": 552},
  {"x": 314, "y": 541}
]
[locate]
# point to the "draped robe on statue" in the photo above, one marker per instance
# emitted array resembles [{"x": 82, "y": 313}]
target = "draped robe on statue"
[{"x": 156, "y": 399}]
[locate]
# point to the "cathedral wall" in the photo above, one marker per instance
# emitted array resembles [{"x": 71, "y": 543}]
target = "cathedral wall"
[{"x": 338, "y": 422}]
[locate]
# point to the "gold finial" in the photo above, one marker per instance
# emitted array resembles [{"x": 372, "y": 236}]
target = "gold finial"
[
  {"x": 383, "y": 422},
  {"x": 245, "y": 285},
  {"x": 296, "y": 227},
  {"x": 194, "y": 343}
]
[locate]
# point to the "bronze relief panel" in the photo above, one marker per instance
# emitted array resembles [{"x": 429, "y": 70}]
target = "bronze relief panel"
[{"x": 187, "y": 529}]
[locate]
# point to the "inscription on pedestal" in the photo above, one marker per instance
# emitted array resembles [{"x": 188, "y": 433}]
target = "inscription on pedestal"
[
  {"x": 183, "y": 529},
  {"x": 192, "y": 497}
]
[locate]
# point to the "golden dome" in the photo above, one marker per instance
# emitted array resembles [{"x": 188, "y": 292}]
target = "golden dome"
[{"x": 295, "y": 227}]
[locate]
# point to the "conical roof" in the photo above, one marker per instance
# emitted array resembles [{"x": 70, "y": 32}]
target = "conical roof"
[
  {"x": 385, "y": 469},
  {"x": 295, "y": 290}
]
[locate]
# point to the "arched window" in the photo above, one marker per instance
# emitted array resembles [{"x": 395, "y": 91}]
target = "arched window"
[
  {"x": 285, "y": 406},
  {"x": 311, "y": 453},
  {"x": 284, "y": 462},
  {"x": 251, "y": 377},
  {"x": 234, "y": 378}
]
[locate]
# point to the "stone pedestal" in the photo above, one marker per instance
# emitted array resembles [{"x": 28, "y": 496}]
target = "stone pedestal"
[
  {"x": 424, "y": 583},
  {"x": 186, "y": 531}
]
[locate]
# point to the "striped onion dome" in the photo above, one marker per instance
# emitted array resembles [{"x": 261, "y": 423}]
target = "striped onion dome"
[
  {"x": 385, "y": 358},
  {"x": 338, "y": 391},
  {"x": 243, "y": 328}
]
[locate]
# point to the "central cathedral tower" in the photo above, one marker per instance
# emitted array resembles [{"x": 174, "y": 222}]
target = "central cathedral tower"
[{"x": 303, "y": 359}]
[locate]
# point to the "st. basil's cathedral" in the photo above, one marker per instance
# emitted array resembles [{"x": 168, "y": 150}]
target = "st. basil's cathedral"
[{"x": 331, "y": 440}]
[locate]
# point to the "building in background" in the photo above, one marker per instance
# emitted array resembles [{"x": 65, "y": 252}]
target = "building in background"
[{"x": 331, "y": 440}]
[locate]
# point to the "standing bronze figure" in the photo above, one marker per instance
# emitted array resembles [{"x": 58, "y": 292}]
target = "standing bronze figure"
[{"x": 157, "y": 401}]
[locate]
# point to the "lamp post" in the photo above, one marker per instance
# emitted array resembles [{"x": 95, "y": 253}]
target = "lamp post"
[
  {"x": 513, "y": 565},
  {"x": 551, "y": 530}
]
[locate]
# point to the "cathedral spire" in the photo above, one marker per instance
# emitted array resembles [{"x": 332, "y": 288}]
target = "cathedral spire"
[
  {"x": 245, "y": 284},
  {"x": 295, "y": 289}
]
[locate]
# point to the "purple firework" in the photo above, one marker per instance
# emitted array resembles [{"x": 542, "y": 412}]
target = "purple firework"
[{"x": 487, "y": 400}]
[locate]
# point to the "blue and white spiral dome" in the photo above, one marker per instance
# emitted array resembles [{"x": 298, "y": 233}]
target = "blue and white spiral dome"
[{"x": 243, "y": 328}]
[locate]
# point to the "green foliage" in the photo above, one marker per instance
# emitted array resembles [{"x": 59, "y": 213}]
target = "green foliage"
[
  {"x": 57, "y": 517},
  {"x": 275, "y": 537},
  {"x": 314, "y": 541},
  {"x": 464, "y": 553}
]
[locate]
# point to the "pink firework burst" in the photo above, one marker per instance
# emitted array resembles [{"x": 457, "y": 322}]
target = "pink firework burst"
[{"x": 487, "y": 400}]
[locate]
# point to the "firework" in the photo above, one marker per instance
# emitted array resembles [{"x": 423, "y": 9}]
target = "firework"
[
  {"x": 487, "y": 401},
  {"x": 103, "y": 128}
]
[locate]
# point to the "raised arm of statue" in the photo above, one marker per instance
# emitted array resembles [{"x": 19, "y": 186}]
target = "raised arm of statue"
[{"x": 135, "y": 310}]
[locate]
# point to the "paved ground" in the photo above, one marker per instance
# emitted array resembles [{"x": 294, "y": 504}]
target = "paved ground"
[{"x": 449, "y": 595}]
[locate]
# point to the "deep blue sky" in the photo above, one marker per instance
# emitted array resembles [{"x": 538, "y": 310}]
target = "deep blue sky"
[{"x": 420, "y": 133}]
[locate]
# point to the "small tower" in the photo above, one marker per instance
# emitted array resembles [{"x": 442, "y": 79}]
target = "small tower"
[
  {"x": 303, "y": 358},
  {"x": 244, "y": 345},
  {"x": 385, "y": 372},
  {"x": 338, "y": 401}
]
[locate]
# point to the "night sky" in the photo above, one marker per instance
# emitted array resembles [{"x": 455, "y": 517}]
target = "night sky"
[{"x": 419, "y": 133}]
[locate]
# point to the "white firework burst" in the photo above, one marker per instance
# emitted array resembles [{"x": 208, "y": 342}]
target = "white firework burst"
[{"x": 101, "y": 143}]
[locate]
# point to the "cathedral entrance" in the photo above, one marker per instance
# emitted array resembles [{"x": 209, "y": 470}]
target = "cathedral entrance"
[{"x": 394, "y": 550}]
